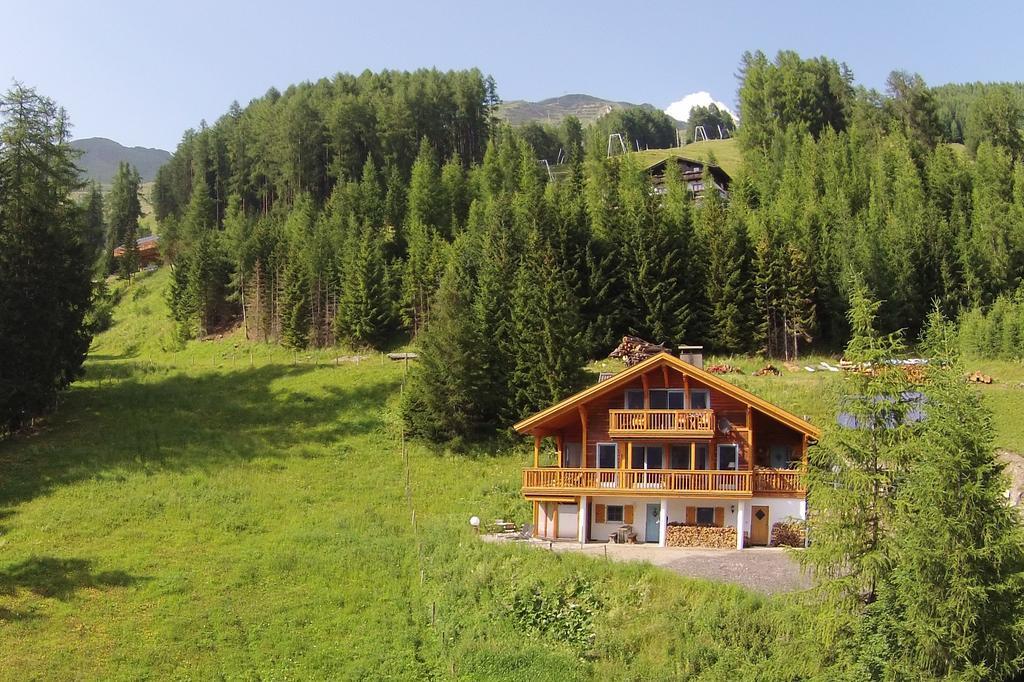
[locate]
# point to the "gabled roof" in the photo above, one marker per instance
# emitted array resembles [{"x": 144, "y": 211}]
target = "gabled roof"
[{"x": 622, "y": 378}]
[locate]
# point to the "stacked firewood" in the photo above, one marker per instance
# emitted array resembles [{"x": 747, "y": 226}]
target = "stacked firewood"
[
  {"x": 724, "y": 368},
  {"x": 634, "y": 350},
  {"x": 979, "y": 378},
  {"x": 679, "y": 535},
  {"x": 788, "y": 534}
]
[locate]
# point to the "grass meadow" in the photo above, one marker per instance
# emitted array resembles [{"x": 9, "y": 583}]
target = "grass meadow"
[{"x": 228, "y": 510}]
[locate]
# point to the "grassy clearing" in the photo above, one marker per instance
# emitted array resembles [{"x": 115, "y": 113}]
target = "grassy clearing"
[
  {"x": 234, "y": 510},
  {"x": 727, "y": 154},
  {"x": 227, "y": 509}
]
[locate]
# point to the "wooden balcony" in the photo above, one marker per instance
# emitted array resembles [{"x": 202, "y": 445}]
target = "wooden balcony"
[
  {"x": 664, "y": 482},
  {"x": 684, "y": 423},
  {"x": 650, "y": 482},
  {"x": 783, "y": 482}
]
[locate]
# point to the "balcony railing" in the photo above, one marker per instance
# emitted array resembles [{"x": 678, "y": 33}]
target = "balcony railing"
[
  {"x": 650, "y": 481},
  {"x": 692, "y": 423},
  {"x": 779, "y": 481},
  {"x": 661, "y": 481}
]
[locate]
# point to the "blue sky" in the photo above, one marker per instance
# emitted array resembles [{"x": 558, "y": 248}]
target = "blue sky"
[{"x": 141, "y": 73}]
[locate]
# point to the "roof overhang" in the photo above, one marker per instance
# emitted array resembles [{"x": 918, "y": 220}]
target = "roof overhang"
[{"x": 559, "y": 410}]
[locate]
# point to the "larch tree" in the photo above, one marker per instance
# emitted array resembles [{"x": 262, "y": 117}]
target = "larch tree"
[
  {"x": 952, "y": 604},
  {"x": 45, "y": 264}
]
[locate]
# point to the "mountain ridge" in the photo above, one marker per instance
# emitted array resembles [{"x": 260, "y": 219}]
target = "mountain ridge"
[
  {"x": 101, "y": 156},
  {"x": 587, "y": 108}
]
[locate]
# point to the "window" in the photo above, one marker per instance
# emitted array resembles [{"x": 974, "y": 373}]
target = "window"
[
  {"x": 634, "y": 399},
  {"x": 780, "y": 456},
  {"x": 647, "y": 456},
  {"x": 680, "y": 457},
  {"x": 607, "y": 455},
  {"x": 705, "y": 516},
  {"x": 614, "y": 513},
  {"x": 700, "y": 399},
  {"x": 667, "y": 399},
  {"x": 700, "y": 456},
  {"x": 728, "y": 456}
]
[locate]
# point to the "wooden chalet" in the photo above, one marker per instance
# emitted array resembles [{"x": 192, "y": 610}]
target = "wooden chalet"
[
  {"x": 149, "y": 250},
  {"x": 661, "y": 453},
  {"x": 692, "y": 173}
]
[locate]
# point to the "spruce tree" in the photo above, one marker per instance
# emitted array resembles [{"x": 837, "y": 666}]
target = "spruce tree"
[
  {"x": 547, "y": 342},
  {"x": 862, "y": 456},
  {"x": 443, "y": 398},
  {"x": 365, "y": 306},
  {"x": 125, "y": 210},
  {"x": 653, "y": 260},
  {"x": 727, "y": 283},
  {"x": 94, "y": 224}
]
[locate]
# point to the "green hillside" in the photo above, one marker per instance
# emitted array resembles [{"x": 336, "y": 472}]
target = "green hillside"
[{"x": 235, "y": 510}]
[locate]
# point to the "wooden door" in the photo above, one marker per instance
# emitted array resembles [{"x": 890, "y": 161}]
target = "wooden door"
[{"x": 759, "y": 525}]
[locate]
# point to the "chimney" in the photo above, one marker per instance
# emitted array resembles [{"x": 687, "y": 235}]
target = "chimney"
[{"x": 693, "y": 355}]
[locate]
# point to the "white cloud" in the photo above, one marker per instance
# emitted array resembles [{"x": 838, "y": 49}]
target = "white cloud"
[{"x": 681, "y": 110}]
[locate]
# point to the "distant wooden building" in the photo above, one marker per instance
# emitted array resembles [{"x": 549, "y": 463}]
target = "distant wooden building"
[
  {"x": 692, "y": 173},
  {"x": 149, "y": 250}
]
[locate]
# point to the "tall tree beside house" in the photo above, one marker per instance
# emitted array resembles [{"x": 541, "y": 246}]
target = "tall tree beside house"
[
  {"x": 45, "y": 264},
  {"x": 951, "y": 605},
  {"x": 125, "y": 210},
  {"x": 443, "y": 397},
  {"x": 547, "y": 340},
  {"x": 500, "y": 246},
  {"x": 854, "y": 469}
]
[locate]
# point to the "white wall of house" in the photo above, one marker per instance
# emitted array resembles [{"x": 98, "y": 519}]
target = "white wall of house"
[
  {"x": 779, "y": 509},
  {"x": 677, "y": 509},
  {"x": 599, "y": 532}
]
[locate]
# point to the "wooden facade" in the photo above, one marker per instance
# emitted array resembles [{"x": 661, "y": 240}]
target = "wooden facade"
[{"x": 661, "y": 430}]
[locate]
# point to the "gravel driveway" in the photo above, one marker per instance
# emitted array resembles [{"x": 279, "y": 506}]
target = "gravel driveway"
[{"x": 765, "y": 569}]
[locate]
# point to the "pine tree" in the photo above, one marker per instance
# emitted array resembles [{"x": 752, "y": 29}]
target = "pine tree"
[
  {"x": 861, "y": 458},
  {"x": 727, "y": 284},
  {"x": 427, "y": 204},
  {"x": 125, "y": 210},
  {"x": 952, "y": 604},
  {"x": 444, "y": 394},
  {"x": 94, "y": 224},
  {"x": 546, "y": 340},
  {"x": 652, "y": 260},
  {"x": 500, "y": 248},
  {"x": 364, "y": 310}
]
